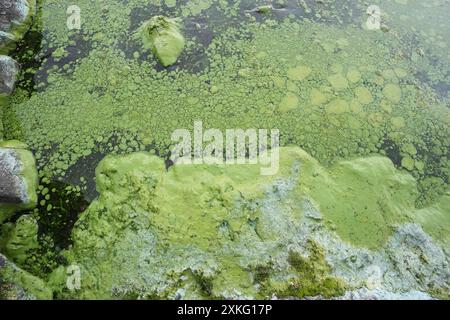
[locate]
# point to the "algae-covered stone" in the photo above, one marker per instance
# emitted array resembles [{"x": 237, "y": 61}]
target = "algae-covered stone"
[
  {"x": 18, "y": 239},
  {"x": 18, "y": 179},
  {"x": 227, "y": 232},
  {"x": 192, "y": 232},
  {"x": 417, "y": 257},
  {"x": 15, "y": 21},
  {"x": 163, "y": 36},
  {"x": 17, "y": 284}
]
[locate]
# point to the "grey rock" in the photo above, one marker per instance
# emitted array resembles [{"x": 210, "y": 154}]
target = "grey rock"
[
  {"x": 8, "y": 74},
  {"x": 421, "y": 262},
  {"x": 15, "y": 19},
  {"x": 12, "y": 189},
  {"x": 18, "y": 179},
  {"x": 409, "y": 266}
]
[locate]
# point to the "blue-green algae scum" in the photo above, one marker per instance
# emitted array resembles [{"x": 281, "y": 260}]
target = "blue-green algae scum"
[{"x": 360, "y": 206}]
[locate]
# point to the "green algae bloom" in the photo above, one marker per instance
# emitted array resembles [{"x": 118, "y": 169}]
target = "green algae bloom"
[{"x": 364, "y": 171}]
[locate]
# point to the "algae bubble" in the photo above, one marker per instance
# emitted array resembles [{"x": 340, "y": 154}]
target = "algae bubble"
[{"x": 363, "y": 181}]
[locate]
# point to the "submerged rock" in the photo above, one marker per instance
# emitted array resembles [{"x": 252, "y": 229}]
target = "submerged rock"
[
  {"x": 162, "y": 35},
  {"x": 15, "y": 22},
  {"x": 17, "y": 284},
  {"x": 227, "y": 232},
  {"x": 18, "y": 179}
]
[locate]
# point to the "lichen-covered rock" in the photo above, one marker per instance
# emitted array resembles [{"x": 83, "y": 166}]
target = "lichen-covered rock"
[
  {"x": 417, "y": 268},
  {"x": 17, "y": 284},
  {"x": 419, "y": 260},
  {"x": 162, "y": 35},
  {"x": 18, "y": 179},
  {"x": 15, "y": 22},
  {"x": 227, "y": 232}
]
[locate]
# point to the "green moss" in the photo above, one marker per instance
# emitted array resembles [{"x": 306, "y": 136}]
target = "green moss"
[{"x": 162, "y": 35}]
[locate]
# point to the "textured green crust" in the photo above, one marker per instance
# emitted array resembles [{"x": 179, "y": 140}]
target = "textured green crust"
[{"x": 205, "y": 231}]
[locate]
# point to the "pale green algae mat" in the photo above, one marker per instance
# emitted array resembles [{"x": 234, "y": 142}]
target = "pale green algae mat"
[{"x": 360, "y": 207}]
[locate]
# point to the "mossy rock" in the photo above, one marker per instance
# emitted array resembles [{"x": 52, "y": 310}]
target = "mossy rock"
[
  {"x": 17, "y": 284},
  {"x": 15, "y": 22},
  {"x": 219, "y": 231},
  {"x": 19, "y": 179},
  {"x": 163, "y": 36}
]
